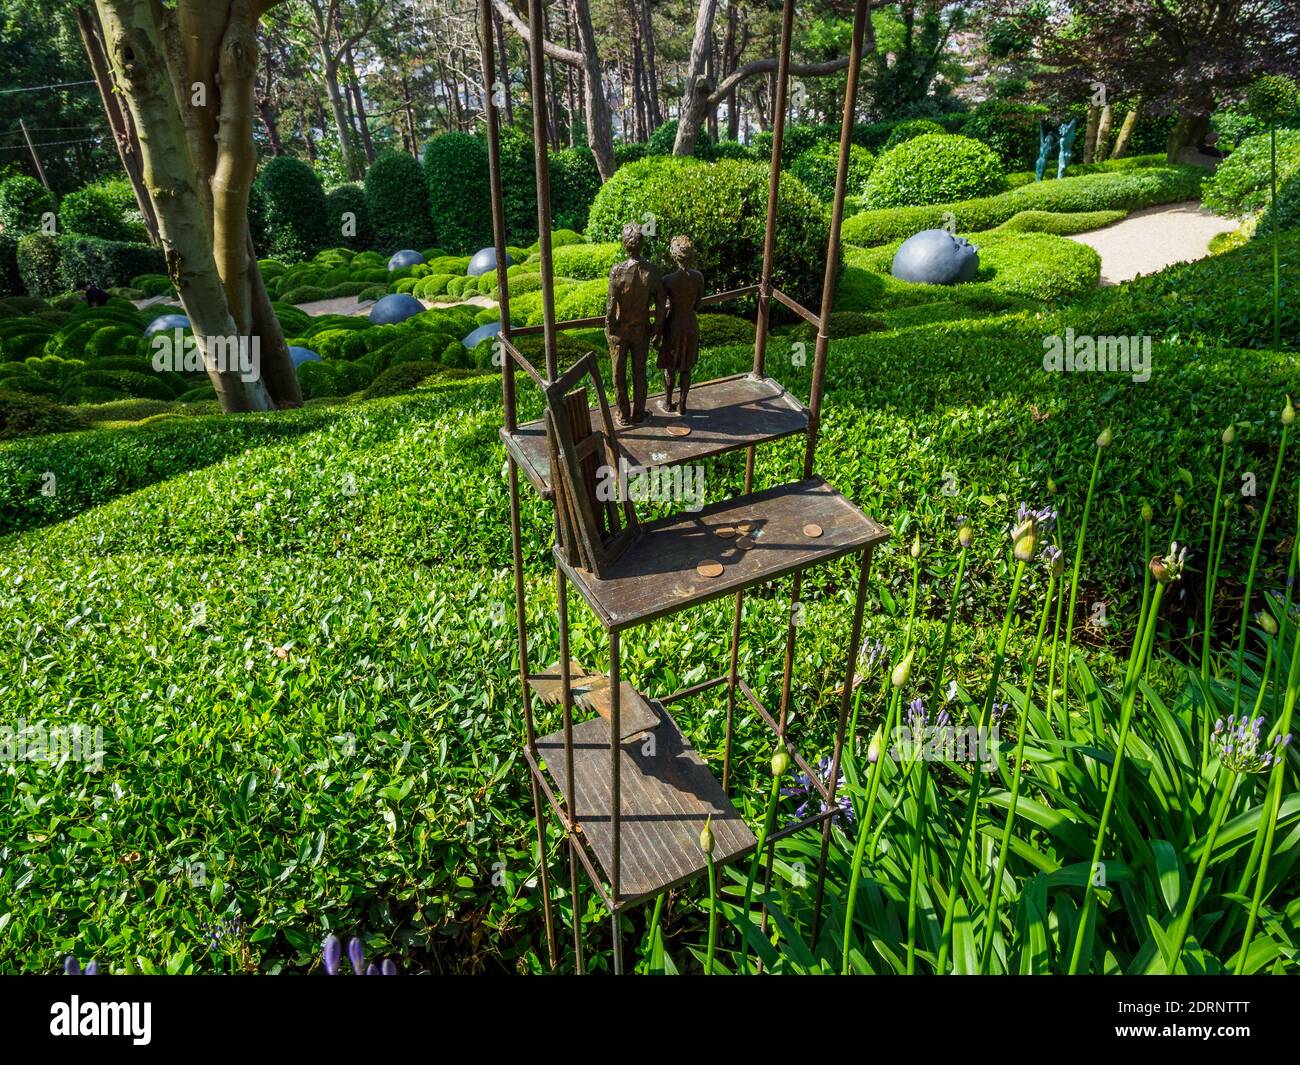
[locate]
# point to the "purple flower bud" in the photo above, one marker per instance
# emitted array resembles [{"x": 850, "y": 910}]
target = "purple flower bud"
[
  {"x": 357, "y": 955},
  {"x": 92, "y": 968},
  {"x": 372, "y": 969},
  {"x": 71, "y": 967},
  {"x": 332, "y": 954},
  {"x": 389, "y": 968}
]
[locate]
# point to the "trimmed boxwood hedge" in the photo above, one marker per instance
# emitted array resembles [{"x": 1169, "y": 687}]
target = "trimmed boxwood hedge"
[
  {"x": 296, "y": 221},
  {"x": 1128, "y": 190},
  {"x": 722, "y": 207},
  {"x": 398, "y": 203},
  {"x": 25, "y": 415},
  {"x": 24, "y": 202},
  {"x": 456, "y": 164},
  {"x": 351, "y": 200},
  {"x": 91, "y": 212},
  {"x": 38, "y": 258},
  {"x": 934, "y": 168},
  {"x": 818, "y": 166}
]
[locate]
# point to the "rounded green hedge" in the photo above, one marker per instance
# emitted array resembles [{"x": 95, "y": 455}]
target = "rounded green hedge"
[
  {"x": 817, "y": 168},
  {"x": 297, "y": 224},
  {"x": 350, "y": 200},
  {"x": 398, "y": 203},
  {"x": 1010, "y": 129},
  {"x": 721, "y": 207},
  {"x": 909, "y": 129},
  {"x": 933, "y": 168},
  {"x": 90, "y": 212},
  {"x": 574, "y": 184},
  {"x": 24, "y": 202},
  {"x": 1241, "y": 184},
  {"x": 456, "y": 181}
]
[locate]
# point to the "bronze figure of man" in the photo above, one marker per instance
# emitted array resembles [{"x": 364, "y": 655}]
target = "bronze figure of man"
[{"x": 632, "y": 323}]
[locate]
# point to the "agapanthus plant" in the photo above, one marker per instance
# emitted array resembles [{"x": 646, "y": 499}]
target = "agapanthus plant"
[{"x": 332, "y": 956}]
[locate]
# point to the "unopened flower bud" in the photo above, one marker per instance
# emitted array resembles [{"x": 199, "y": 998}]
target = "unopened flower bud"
[
  {"x": 1106, "y": 438},
  {"x": 1288, "y": 412},
  {"x": 1147, "y": 513},
  {"x": 1179, "y": 500},
  {"x": 902, "y": 671},
  {"x": 1024, "y": 541},
  {"x": 1051, "y": 486},
  {"x": 873, "y": 748},
  {"x": 1267, "y": 622},
  {"x": 1229, "y": 435},
  {"x": 965, "y": 535},
  {"x": 780, "y": 762},
  {"x": 915, "y": 549},
  {"x": 706, "y": 838}
]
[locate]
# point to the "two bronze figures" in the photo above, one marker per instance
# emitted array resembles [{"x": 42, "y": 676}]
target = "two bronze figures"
[{"x": 636, "y": 318}]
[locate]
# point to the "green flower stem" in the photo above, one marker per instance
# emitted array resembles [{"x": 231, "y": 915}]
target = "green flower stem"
[
  {"x": 864, "y": 828},
  {"x": 1074, "y": 584},
  {"x": 995, "y": 887},
  {"x": 1254, "y": 562},
  {"x": 1273, "y": 226},
  {"x": 1212, "y": 570},
  {"x": 1146, "y": 637},
  {"x": 972, "y": 798},
  {"x": 947, "y": 628},
  {"x": 1225, "y": 786},
  {"x": 769, "y": 819},
  {"x": 1273, "y": 802},
  {"x": 713, "y": 915},
  {"x": 922, "y": 790}
]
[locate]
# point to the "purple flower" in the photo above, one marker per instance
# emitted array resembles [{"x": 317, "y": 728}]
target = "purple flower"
[
  {"x": 803, "y": 788},
  {"x": 332, "y": 955},
  {"x": 357, "y": 955},
  {"x": 1241, "y": 746}
]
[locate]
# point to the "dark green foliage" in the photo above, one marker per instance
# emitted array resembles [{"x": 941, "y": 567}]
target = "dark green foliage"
[
  {"x": 1272, "y": 98},
  {"x": 629, "y": 152},
  {"x": 574, "y": 184},
  {"x": 24, "y": 202},
  {"x": 402, "y": 377},
  {"x": 662, "y": 140},
  {"x": 1242, "y": 183},
  {"x": 297, "y": 225},
  {"x": 842, "y": 324},
  {"x": 346, "y": 206},
  {"x": 456, "y": 178},
  {"x": 38, "y": 260},
  {"x": 398, "y": 204},
  {"x": 106, "y": 263},
  {"x": 11, "y": 283},
  {"x": 933, "y": 168},
  {"x": 26, "y": 415},
  {"x": 1011, "y": 130},
  {"x": 719, "y": 329},
  {"x": 91, "y": 212},
  {"x": 518, "y": 188},
  {"x": 909, "y": 128},
  {"x": 722, "y": 206}
]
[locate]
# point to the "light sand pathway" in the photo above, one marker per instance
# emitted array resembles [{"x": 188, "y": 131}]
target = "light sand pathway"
[{"x": 1151, "y": 239}]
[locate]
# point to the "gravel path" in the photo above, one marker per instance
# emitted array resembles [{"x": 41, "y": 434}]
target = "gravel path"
[{"x": 1149, "y": 240}]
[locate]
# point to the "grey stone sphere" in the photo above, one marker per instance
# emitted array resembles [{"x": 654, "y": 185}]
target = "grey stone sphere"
[
  {"x": 395, "y": 307},
  {"x": 302, "y": 355},
  {"x": 167, "y": 322},
  {"x": 936, "y": 257},
  {"x": 485, "y": 259},
  {"x": 405, "y": 257},
  {"x": 482, "y": 333}
]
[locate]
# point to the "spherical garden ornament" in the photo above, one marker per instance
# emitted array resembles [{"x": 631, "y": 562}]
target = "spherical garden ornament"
[
  {"x": 166, "y": 322},
  {"x": 936, "y": 257},
  {"x": 405, "y": 257},
  {"x": 302, "y": 355},
  {"x": 395, "y": 307},
  {"x": 485, "y": 259},
  {"x": 482, "y": 333}
]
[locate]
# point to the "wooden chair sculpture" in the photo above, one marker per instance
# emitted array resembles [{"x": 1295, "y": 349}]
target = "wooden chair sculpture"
[{"x": 627, "y": 787}]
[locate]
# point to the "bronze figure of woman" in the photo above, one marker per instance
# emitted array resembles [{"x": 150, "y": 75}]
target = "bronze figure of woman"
[{"x": 680, "y": 347}]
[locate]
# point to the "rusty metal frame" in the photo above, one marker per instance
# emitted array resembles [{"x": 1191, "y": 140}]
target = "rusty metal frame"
[{"x": 767, "y": 292}]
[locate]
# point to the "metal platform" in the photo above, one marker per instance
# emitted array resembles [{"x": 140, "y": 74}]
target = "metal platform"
[
  {"x": 723, "y": 415},
  {"x": 591, "y": 691},
  {"x": 750, "y": 539},
  {"x": 667, "y": 796}
]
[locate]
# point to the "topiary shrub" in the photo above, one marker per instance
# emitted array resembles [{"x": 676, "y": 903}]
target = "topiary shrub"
[
  {"x": 722, "y": 207},
  {"x": 27, "y": 415},
  {"x": 38, "y": 265},
  {"x": 662, "y": 140},
  {"x": 910, "y": 128},
  {"x": 400, "y": 378},
  {"x": 346, "y": 209},
  {"x": 456, "y": 182},
  {"x": 842, "y": 324},
  {"x": 1011, "y": 130},
  {"x": 1241, "y": 184},
  {"x": 24, "y": 203},
  {"x": 297, "y": 225},
  {"x": 629, "y": 152},
  {"x": 518, "y": 186},
  {"x": 933, "y": 168},
  {"x": 574, "y": 184},
  {"x": 107, "y": 263},
  {"x": 90, "y": 212},
  {"x": 582, "y": 262},
  {"x": 398, "y": 202},
  {"x": 818, "y": 166},
  {"x": 719, "y": 329}
]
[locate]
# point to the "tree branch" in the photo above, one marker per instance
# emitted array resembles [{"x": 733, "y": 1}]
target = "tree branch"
[
  {"x": 766, "y": 66},
  {"x": 557, "y": 52}
]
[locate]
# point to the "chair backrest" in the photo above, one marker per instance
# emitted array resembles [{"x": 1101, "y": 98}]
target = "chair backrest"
[{"x": 596, "y": 522}]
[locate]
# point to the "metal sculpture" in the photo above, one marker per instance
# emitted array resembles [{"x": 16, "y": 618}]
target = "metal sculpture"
[
  {"x": 1066, "y": 133},
  {"x": 936, "y": 257},
  {"x": 680, "y": 344},
  {"x": 634, "y": 316},
  {"x": 1046, "y": 142}
]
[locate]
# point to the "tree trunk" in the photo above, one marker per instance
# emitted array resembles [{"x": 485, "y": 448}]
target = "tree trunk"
[
  {"x": 1090, "y": 133},
  {"x": 697, "y": 85},
  {"x": 119, "y": 117},
  {"x": 330, "y": 74},
  {"x": 198, "y": 162},
  {"x": 409, "y": 108},
  {"x": 1126, "y": 129},
  {"x": 503, "y": 68},
  {"x": 656, "y": 115},
  {"x": 1103, "y": 133},
  {"x": 359, "y": 106}
]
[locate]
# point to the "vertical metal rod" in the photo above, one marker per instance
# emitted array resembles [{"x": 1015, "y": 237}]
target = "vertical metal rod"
[
  {"x": 846, "y": 697},
  {"x": 36, "y": 159},
  {"x": 773, "y": 188},
  {"x": 733, "y": 673},
  {"x": 615, "y": 749},
  {"x": 616, "y": 932},
  {"x": 861, "y": 22},
  {"x": 537, "y": 78},
  {"x": 791, "y": 631},
  {"x": 512, "y": 471},
  {"x": 566, "y": 700}
]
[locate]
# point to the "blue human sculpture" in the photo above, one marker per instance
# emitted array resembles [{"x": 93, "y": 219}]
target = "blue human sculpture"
[
  {"x": 1046, "y": 141},
  {"x": 1067, "y": 132}
]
